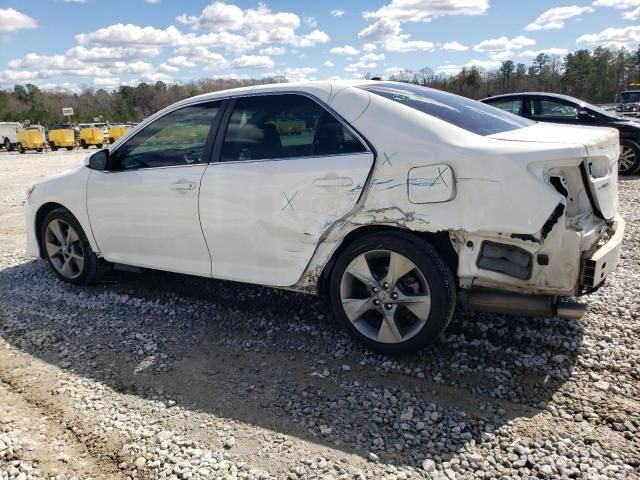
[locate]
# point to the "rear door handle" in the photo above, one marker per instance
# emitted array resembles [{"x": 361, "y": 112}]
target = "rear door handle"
[
  {"x": 183, "y": 186},
  {"x": 333, "y": 182}
]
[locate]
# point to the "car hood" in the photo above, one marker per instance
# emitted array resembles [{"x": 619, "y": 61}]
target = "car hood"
[{"x": 601, "y": 146}]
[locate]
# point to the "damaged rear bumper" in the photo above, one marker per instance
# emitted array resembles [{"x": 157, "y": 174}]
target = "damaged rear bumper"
[{"x": 598, "y": 263}]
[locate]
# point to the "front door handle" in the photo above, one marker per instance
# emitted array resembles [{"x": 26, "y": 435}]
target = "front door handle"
[
  {"x": 183, "y": 186},
  {"x": 333, "y": 181}
]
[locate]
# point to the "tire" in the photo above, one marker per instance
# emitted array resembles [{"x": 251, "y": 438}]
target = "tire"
[
  {"x": 39, "y": 149},
  {"x": 629, "y": 161},
  {"x": 21, "y": 149},
  {"x": 98, "y": 146},
  {"x": 83, "y": 144},
  {"x": 111, "y": 140},
  {"x": 69, "y": 148},
  {"x": 8, "y": 145},
  {"x": 62, "y": 247},
  {"x": 371, "y": 301},
  {"x": 53, "y": 146}
]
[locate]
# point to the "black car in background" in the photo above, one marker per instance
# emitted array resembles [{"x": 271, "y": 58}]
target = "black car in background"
[{"x": 551, "y": 107}]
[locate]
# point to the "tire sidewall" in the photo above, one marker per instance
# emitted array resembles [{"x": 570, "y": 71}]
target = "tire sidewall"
[
  {"x": 439, "y": 279},
  {"x": 90, "y": 258}
]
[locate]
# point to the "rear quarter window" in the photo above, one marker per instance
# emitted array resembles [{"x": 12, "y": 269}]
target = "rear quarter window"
[{"x": 471, "y": 115}]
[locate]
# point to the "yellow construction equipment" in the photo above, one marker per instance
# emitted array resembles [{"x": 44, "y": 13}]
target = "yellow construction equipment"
[
  {"x": 31, "y": 138},
  {"x": 61, "y": 136},
  {"x": 91, "y": 135},
  {"x": 117, "y": 131}
]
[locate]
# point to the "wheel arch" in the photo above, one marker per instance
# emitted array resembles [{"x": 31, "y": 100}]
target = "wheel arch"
[{"x": 439, "y": 240}]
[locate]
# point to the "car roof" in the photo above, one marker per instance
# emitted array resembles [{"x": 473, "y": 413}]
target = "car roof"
[
  {"x": 328, "y": 85},
  {"x": 536, "y": 94}
]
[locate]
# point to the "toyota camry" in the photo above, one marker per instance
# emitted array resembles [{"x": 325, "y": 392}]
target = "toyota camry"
[{"x": 394, "y": 201}]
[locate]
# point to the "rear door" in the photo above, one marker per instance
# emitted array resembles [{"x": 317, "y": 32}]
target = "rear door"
[
  {"x": 287, "y": 170},
  {"x": 508, "y": 104}
]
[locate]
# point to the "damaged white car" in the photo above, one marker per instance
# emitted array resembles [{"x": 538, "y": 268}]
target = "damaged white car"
[{"x": 395, "y": 201}]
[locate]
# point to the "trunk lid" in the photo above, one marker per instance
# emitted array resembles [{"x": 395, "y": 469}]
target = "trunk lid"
[{"x": 600, "y": 166}]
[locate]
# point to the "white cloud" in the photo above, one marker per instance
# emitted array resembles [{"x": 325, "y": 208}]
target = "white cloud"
[
  {"x": 632, "y": 14},
  {"x": 394, "y": 70},
  {"x": 355, "y": 67},
  {"x": 310, "y": 21},
  {"x": 109, "y": 82},
  {"x": 337, "y": 12},
  {"x": 346, "y": 50},
  {"x": 121, "y": 35},
  {"x": 555, "y": 18},
  {"x": 388, "y": 33},
  {"x": 11, "y": 20},
  {"x": 548, "y": 51},
  {"x": 369, "y": 47},
  {"x": 627, "y": 37},
  {"x": 450, "y": 69},
  {"x": 201, "y": 55},
  {"x": 633, "y": 7},
  {"x": 252, "y": 61},
  {"x": 217, "y": 17},
  {"x": 273, "y": 51},
  {"x": 425, "y": 11},
  {"x": 300, "y": 74},
  {"x": 64, "y": 87},
  {"x": 108, "y": 54},
  {"x": 502, "y": 44},
  {"x": 329, "y": 63},
  {"x": 372, "y": 57},
  {"x": 311, "y": 39},
  {"x": 454, "y": 47}
]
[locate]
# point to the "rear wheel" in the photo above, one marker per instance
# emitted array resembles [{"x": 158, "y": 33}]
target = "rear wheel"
[
  {"x": 68, "y": 251},
  {"x": 53, "y": 146},
  {"x": 629, "y": 161},
  {"x": 98, "y": 146},
  {"x": 21, "y": 149},
  {"x": 84, "y": 144},
  {"x": 39, "y": 149},
  {"x": 69, "y": 148},
  {"x": 392, "y": 292},
  {"x": 111, "y": 140},
  {"x": 7, "y": 145}
]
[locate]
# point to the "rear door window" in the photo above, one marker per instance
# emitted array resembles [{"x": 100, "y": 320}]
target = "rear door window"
[
  {"x": 511, "y": 105},
  {"x": 554, "y": 108},
  {"x": 471, "y": 115},
  {"x": 265, "y": 127}
]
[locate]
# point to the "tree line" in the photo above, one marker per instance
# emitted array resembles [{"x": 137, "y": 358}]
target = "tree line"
[{"x": 595, "y": 76}]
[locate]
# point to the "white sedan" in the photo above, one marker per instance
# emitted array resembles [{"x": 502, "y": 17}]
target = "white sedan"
[{"x": 393, "y": 200}]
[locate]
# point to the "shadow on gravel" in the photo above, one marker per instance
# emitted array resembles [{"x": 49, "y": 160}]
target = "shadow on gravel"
[{"x": 276, "y": 360}]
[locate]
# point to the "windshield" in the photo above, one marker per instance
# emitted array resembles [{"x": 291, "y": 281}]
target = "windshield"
[
  {"x": 598, "y": 110},
  {"x": 462, "y": 112},
  {"x": 630, "y": 97}
]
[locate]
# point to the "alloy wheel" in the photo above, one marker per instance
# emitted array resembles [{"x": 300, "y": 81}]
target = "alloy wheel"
[
  {"x": 627, "y": 158},
  {"x": 64, "y": 248},
  {"x": 385, "y": 296}
]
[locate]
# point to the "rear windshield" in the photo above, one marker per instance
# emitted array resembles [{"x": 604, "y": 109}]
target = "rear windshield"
[
  {"x": 630, "y": 97},
  {"x": 462, "y": 112}
]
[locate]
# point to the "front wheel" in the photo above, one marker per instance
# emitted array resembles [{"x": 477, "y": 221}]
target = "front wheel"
[
  {"x": 629, "y": 161},
  {"x": 67, "y": 249},
  {"x": 392, "y": 292},
  {"x": 53, "y": 146},
  {"x": 21, "y": 149},
  {"x": 98, "y": 146},
  {"x": 69, "y": 148}
]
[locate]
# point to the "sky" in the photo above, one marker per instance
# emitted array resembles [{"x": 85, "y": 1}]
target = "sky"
[{"x": 70, "y": 44}]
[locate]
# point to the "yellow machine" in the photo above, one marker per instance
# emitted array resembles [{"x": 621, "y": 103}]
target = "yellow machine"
[
  {"x": 117, "y": 131},
  {"x": 290, "y": 127},
  {"x": 31, "y": 138},
  {"x": 91, "y": 135},
  {"x": 61, "y": 137}
]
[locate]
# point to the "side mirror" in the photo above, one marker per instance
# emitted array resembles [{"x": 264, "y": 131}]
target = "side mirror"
[{"x": 99, "y": 160}]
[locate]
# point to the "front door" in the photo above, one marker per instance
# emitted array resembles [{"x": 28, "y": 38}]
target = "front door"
[
  {"x": 288, "y": 170},
  {"x": 144, "y": 210}
]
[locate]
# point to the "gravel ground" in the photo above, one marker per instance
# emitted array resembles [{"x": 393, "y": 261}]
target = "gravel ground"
[{"x": 157, "y": 375}]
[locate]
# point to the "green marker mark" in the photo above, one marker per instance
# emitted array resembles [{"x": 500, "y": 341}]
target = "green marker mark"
[
  {"x": 288, "y": 200},
  {"x": 387, "y": 158},
  {"x": 439, "y": 177}
]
